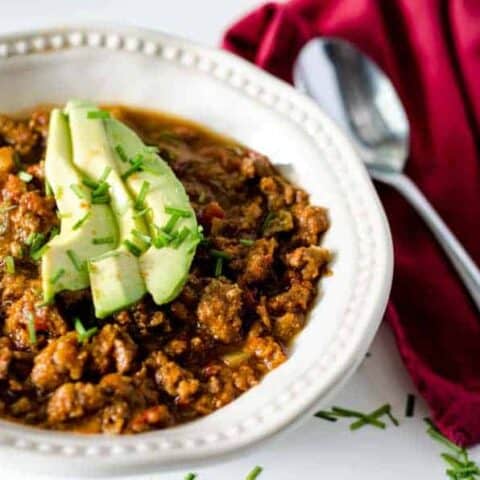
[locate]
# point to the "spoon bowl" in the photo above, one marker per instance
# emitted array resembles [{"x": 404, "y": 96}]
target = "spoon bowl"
[{"x": 358, "y": 95}]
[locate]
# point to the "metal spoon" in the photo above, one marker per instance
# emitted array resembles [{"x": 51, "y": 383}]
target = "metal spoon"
[{"x": 356, "y": 93}]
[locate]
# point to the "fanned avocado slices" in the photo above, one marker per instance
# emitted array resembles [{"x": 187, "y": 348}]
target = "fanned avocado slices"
[
  {"x": 64, "y": 262},
  {"x": 115, "y": 278},
  {"x": 166, "y": 206}
]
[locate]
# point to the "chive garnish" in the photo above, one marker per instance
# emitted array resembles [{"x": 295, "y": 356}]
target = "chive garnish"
[
  {"x": 105, "y": 174},
  {"x": 142, "y": 236},
  {"x": 190, "y": 476},
  {"x": 162, "y": 238},
  {"x": 84, "y": 335},
  {"x": 48, "y": 189},
  {"x": 8, "y": 208},
  {"x": 32, "y": 333},
  {"x": 98, "y": 115},
  {"x": 132, "y": 248},
  {"x": 220, "y": 254},
  {"x": 121, "y": 153},
  {"x": 25, "y": 176},
  {"x": 77, "y": 190},
  {"x": 270, "y": 216},
  {"x": 372, "y": 418},
  {"x": 81, "y": 221},
  {"x": 37, "y": 254},
  {"x": 57, "y": 276},
  {"x": 254, "y": 473},
  {"x": 170, "y": 225},
  {"x": 136, "y": 167},
  {"x": 102, "y": 240},
  {"x": 9, "y": 264},
  {"x": 101, "y": 200},
  {"x": 247, "y": 242},
  {"x": 102, "y": 189},
  {"x": 142, "y": 213},
  {"x": 181, "y": 236},
  {"x": 410, "y": 405},
  {"x": 457, "y": 458},
  {"x": 36, "y": 241},
  {"x": 77, "y": 263},
  {"x": 178, "y": 211},
  {"x": 326, "y": 416},
  {"x": 218, "y": 266},
  {"x": 90, "y": 183},
  {"x": 139, "y": 202}
]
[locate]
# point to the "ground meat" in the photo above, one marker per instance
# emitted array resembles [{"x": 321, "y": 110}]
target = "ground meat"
[
  {"x": 62, "y": 360},
  {"x": 6, "y": 355},
  {"x": 154, "y": 417},
  {"x": 18, "y": 134},
  {"x": 267, "y": 350},
  {"x": 219, "y": 310},
  {"x": 73, "y": 400},
  {"x": 152, "y": 366},
  {"x": 288, "y": 325},
  {"x": 309, "y": 260},
  {"x": 259, "y": 260},
  {"x": 296, "y": 298},
  {"x": 175, "y": 380},
  {"x": 311, "y": 223},
  {"x": 112, "y": 349}
]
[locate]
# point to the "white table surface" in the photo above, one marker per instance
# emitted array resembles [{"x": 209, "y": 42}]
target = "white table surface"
[{"x": 318, "y": 449}]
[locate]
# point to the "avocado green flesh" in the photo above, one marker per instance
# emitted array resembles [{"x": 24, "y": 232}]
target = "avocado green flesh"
[
  {"x": 70, "y": 243},
  {"x": 115, "y": 279},
  {"x": 165, "y": 269}
]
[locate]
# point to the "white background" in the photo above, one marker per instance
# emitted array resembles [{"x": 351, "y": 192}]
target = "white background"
[{"x": 319, "y": 449}]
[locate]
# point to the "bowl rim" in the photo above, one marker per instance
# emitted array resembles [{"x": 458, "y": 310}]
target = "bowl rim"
[{"x": 368, "y": 300}]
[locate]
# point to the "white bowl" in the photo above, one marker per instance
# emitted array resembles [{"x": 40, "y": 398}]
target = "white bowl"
[{"x": 148, "y": 69}]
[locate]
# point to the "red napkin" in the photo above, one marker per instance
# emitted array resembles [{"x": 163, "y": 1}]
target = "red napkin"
[{"x": 431, "y": 51}]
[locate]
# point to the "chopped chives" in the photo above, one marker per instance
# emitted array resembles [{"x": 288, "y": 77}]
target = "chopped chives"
[
  {"x": 8, "y": 208},
  {"x": 32, "y": 333},
  {"x": 371, "y": 418},
  {"x": 136, "y": 166},
  {"x": 326, "y": 416},
  {"x": 178, "y": 211},
  {"x": 36, "y": 241},
  {"x": 98, "y": 115},
  {"x": 190, "y": 476},
  {"x": 101, "y": 199},
  {"x": 37, "y": 254},
  {"x": 139, "y": 202},
  {"x": 25, "y": 176},
  {"x": 254, "y": 473},
  {"x": 170, "y": 225},
  {"x": 105, "y": 174},
  {"x": 392, "y": 418},
  {"x": 247, "y": 242},
  {"x": 102, "y": 240},
  {"x": 436, "y": 435},
  {"x": 121, "y": 153},
  {"x": 48, "y": 189},
  {"x": 268, "y": 219},
  {"x": 81, "y": 221},
  {"x": 57, "y": 276},
  {"x": 162, "y": 238},
  {"x": 132, "y": 248},
  {"x": 142, "y": 236},
  {"x": 102, "y": 189},
  {"x": 77, "y": 263},
  {"x": 181, "y": 236},
  {"x": 142, "y": 213},
  {"x": 410, "y": 406},
  {"x": 9, "y": 264},
  {"x": 220, "y": 254},
  {"x": 78, "y": 191},
  {"x": 90, "y": 183},
  {"x": 218, "y": 266},
  {"x": 84, "y": 335}
]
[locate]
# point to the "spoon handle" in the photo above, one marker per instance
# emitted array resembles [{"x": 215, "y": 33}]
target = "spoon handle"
[{"x": 461, "y": 260}]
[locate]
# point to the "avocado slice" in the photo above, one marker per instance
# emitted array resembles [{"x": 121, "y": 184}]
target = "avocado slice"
[
  {"x": 115, "y": 278},
  {"x": 164, "y": 269},
  {"x": 64, "y": 262}
]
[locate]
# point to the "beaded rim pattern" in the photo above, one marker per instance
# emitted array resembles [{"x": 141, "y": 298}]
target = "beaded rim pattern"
[{"x": 374, "y": 256}]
